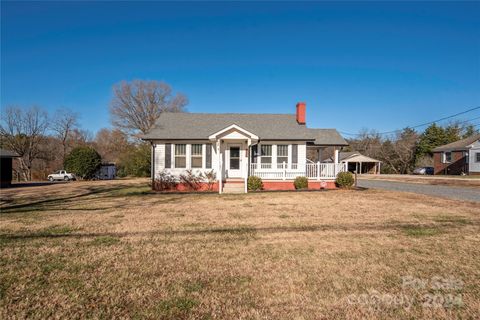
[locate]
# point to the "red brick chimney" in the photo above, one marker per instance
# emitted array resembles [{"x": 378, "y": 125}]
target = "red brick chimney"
[{"x": 301, "y": 112}]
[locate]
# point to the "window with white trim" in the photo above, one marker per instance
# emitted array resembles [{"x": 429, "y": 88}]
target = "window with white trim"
[
  {"x": 196, "y": 156},
  {"x": 447, "y": 157},
  {"x": 477, "y": 157},
  {"x": 282, "y": 154},
  {"x": 180, "y": 156},
  {"x": 266, "y": 154}
]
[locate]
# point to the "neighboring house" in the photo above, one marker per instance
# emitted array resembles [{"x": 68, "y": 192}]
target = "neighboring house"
[
  {"x": 270, "y": 146},
  {"x": 6, "y": 158},
  {"x": 355, "y": 161},
  {"x": 459, "y": 157}
]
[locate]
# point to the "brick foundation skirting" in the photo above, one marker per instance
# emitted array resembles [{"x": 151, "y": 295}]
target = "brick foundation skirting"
[
  {"x": 288, "y": 185},
  {"x": 267, "y": 185}
]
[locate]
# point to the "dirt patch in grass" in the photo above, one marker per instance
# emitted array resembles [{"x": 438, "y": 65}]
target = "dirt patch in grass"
[{"x": 115, "y": 250}]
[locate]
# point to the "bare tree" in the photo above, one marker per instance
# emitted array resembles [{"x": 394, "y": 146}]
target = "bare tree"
[
  {"x": 112, "y": 144},
  {"x": 64, "y": 122},
  {"x": 137, "y": 105},
  {"x": 23, "y": 130}
]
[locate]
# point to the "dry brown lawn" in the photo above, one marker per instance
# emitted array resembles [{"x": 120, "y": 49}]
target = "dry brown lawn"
[
  {"x": 115, "y": 250},
  {"x": 459, "y": 181}
]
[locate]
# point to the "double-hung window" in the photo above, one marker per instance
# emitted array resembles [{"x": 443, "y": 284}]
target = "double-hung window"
[
  {"x": 266, "y": 155},
  {"x": 447, "y": 157},
  {"x": 180, "y": 156},
  {"x": 196, "y": 156},
  {"x": 282, "y": 155}
]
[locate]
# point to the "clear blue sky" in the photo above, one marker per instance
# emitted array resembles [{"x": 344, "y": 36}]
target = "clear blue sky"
[{"x": 357, "y": 65}]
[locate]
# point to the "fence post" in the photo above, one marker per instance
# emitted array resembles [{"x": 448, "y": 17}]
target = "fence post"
[
  {"x": 284, "y": 170},
  {"x": 318, "y": 170}
]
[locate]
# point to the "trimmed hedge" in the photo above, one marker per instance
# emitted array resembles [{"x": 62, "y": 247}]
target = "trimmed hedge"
[
  {"x": 254, "y": 183},
  {"x": 301, "y": 183},
  {"x": 345, "y": 180}
]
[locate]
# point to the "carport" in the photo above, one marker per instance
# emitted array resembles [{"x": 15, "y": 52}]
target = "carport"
[{"x": 358, "y": 162}]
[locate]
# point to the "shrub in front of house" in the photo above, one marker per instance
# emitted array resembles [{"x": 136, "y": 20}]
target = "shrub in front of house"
[
  {"x": 191, "y": 180},
  {"x": 165, "y": 181},
  {"x": 345, "y": 180},
  {"x": 301, "y": 183},
  {"x": 211, "y": 178},
  {"x": 254, "y": 183}
]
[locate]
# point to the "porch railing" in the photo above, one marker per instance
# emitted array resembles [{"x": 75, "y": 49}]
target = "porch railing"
[{"x": 284, "y": 171}]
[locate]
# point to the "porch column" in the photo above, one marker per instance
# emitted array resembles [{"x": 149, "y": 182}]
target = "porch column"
[
  {"x": 220, "y": 179},
  {"x": 336, "y": 155}
]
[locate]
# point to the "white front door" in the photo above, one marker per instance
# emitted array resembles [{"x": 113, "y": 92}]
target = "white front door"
[{"x": 234, "y": 161}]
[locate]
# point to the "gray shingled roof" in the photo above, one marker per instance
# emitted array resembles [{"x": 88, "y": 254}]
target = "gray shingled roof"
[
  {"x": 177, "y": 126},
  {"x": 4, "y": 153},
  {"x": 458, "y": 145},
  {"x": 327, "y": 137}
]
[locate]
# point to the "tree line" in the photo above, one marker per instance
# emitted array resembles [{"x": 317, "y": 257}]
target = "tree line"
[
  {"x": 401, "y": 152},
  {"x": 44, "y": 141}
]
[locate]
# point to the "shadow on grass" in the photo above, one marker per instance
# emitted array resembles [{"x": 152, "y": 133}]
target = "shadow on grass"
[
  {"x": 406, "y": 229},
  {"x": 49, "y": 204}
]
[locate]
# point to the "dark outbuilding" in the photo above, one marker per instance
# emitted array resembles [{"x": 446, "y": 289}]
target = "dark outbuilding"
[{"x": 6, "y": 158}]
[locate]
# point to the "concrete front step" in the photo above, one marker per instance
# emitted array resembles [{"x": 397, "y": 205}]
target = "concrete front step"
[{"x": 234, "y": 187}]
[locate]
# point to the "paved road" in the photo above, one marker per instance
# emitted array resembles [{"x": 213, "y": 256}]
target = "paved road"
[{"x": 457, "y": 193}]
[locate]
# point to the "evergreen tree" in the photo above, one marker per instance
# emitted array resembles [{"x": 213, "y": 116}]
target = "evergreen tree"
[
  {"x": 83, "y": 162},
  {"x": 431, "y": 138}
]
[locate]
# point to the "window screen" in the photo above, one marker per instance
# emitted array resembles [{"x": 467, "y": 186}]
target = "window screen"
[
  {"x": 266, "y": 151},
  {"x": 282, "y": 154},
  {"x": 180, "y": 156}
]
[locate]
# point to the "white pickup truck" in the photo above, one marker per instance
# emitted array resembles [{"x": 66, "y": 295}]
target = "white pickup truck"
[{"x": 61, "y": 175}]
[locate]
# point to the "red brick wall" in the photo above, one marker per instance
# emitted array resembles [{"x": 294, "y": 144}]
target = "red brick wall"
[
  {"x": 288, "y": 185},
  {"x": 203, "y": 187},
  {"x": 455, "y": 167}
]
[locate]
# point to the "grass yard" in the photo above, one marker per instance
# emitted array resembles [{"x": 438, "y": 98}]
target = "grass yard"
[
  {"x": 113, "y": 249},
  {"x": 458, "y": 181}
]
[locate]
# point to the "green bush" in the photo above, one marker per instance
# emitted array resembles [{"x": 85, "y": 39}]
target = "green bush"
[
  {"x": 345, "y": 179},
  {"x": 301, "y": 183},
  {"x": 136, "y": 162},
  {"x": 254, "y": 183},
  {"x": 83, "y": 162}
]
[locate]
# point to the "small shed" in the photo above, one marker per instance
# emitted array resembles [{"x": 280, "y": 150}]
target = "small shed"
[
  {"x": 107, "y": 171},
  {"x": 358, "y": 162},
  {"x": 6, "y": 158}
]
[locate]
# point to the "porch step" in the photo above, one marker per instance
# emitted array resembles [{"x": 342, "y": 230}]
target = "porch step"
[{"x": 234, "y": 186}]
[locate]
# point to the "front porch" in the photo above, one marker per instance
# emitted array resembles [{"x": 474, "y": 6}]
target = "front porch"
[{"x": 311, "y": 170}]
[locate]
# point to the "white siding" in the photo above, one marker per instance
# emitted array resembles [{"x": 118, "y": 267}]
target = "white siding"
[
  {"x": 302, "y": 152},
  {"x": 474, "y": 166},
  {"x": 160, "y": 157}
]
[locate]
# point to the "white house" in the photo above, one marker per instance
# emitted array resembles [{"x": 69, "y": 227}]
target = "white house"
[
  {"x": 270, "y": 146},
  {"x": 474, "y": 157}
]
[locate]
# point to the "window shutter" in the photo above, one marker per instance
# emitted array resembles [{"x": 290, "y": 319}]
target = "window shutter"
[
  {"x": 168, "y": 155},
  {"x": 294, "y": 153},
  {"x": 208, "y": 156}
]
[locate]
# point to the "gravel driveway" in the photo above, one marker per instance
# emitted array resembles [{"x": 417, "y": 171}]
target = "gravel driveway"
[{"x": 457, "y": 193}]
